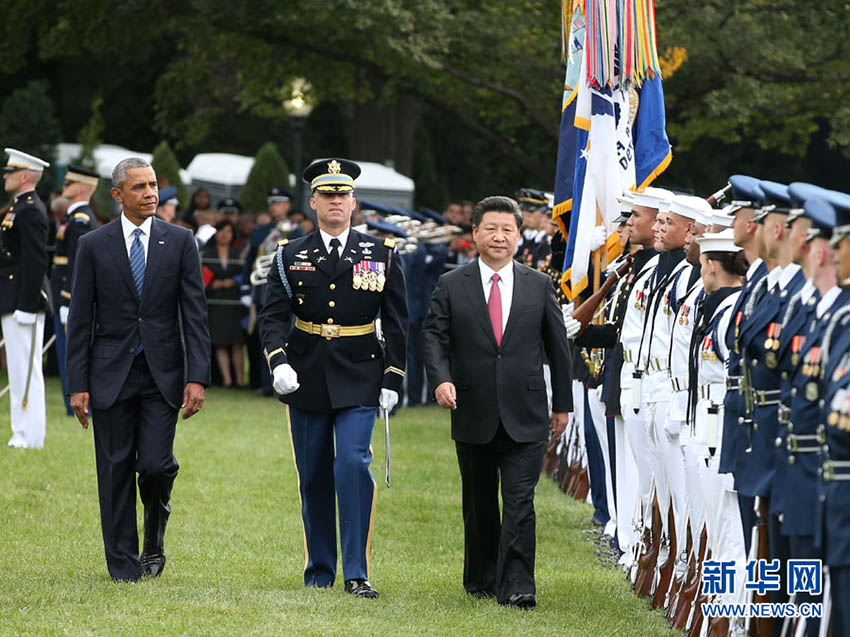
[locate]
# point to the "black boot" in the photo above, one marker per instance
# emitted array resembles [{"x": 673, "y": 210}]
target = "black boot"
[{"x": 152, "y": 560}]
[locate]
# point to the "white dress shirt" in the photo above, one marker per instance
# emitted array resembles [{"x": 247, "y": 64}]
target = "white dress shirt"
[
  {"x": 74, "y": 206},
  {"x": 342, "y": 236},
  {"x": 127, "y": 227},
  {"x": 788, "y": 273},
  {"x": 506, "y": 286},
  {"x": 827, "y": 300},
  {"x": 807, "y": 291},
  {"x": 751, "y": 271}
]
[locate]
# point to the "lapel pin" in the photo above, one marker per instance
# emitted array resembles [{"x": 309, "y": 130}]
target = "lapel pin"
[{"x": 161, "y": 242}]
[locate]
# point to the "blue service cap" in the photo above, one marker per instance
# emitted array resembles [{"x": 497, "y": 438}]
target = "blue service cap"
[
  {"x": 775, "y": 198},
  {"x": 377, "y": 207},
  {"x": 409, "y": 213},
  {"x": 746, "y": 193},
  {"x": 278, "y": 195},
  {"x": 841, "y": 204},
  {"x": 229, "y": 205},
  {"x": 434, "y": 215},
  {"x": 168, "y": 195},
  {"x": 822, "y": 214},
  {"x": 800, "y": 192},
  {"x": 385, "y": 227}
]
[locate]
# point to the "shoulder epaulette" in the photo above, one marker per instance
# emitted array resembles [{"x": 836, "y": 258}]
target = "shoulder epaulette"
[
  {"x": 283, "y": 242},
  {"x": 81, "y": 216},
  {"x": 390, "y": 243}
]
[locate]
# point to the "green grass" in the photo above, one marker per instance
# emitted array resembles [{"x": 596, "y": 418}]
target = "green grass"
[{"x": 235, "y": 548}]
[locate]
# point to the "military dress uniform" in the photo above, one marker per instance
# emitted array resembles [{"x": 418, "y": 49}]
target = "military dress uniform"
[
  {"x": 23, "y": 293},
  {"x": 79, "y": 220},
  {"x": 342, "y": 369}
]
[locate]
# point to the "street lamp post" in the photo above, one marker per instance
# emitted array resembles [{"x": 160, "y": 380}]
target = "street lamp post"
[{"x": 299, "y": 107}]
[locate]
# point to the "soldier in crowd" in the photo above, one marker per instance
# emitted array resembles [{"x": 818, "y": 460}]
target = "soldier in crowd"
[
  {"x": 331, "y": 370},
  {"x": 78, "y": 187},
  {"x": 23, "y": 295}
]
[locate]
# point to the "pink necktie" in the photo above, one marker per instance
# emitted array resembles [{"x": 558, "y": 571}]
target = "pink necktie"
[{"x": 494, "y": 308}]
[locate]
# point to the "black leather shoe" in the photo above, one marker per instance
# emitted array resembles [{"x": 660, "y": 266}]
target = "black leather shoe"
[
  {"x": 152, "y": 564},
  {"x": 360, "y": 588},
  {"x": 523, "y": 601}
]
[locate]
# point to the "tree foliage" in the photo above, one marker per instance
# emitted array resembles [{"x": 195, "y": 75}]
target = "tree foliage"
[
  {"x": 90, "y": 136},
  {"x": 269, "y": 171},
  {"x": 769, "y": 75},
  {"x": 28, "y": 123},
  {"x": 165, "y": 164}
]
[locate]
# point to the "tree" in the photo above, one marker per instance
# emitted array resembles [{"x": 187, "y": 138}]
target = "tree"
[
  {"x": 28, "y": 123},
  {"x": 165, "y": 164},
  {"x": 269, "y": 171},
  {"x": 90, "y": 136}
]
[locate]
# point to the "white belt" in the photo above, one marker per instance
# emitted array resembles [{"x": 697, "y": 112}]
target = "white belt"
[{"x": 679, "y": 383}]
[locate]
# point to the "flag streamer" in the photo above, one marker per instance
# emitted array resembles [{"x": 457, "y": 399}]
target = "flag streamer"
[{"x": 612, "y": 135}]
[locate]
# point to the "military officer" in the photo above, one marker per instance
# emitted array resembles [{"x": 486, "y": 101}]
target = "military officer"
[
  {"x": 331, "y": 370},
  {"x": 832, "y": 525},
  {"x": 78, "y": 188},
  {"x": 745, "y": 197},
  {"x": 23, "y": 298}
]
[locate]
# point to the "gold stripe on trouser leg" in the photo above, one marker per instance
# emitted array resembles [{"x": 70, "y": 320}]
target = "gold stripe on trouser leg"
[
  {"x": 371, "y": 523},
  {"x": 300, "y": 503}
]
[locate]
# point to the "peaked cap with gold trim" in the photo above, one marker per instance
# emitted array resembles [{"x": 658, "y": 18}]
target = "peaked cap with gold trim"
[
  {"x": 331, "y": 175},
  {"x": 22, "y": 161},
  {"x": 81, "y": 176}
]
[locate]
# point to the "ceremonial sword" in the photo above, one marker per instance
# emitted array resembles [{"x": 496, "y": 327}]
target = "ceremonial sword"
[
  {"x": 47, "y": 345},
  {"x": 387, "y": 443},
  {"x": 29, "y": 366}
]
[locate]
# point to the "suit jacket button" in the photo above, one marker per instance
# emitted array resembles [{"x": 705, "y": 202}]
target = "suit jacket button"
[
  {"x": 498, "y": 357},
  {"x": 141, "y": 320},
  {"x": 132, "y": 350}
]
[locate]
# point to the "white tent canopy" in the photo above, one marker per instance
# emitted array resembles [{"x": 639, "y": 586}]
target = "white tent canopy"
[{"x": 106, "y": 156}]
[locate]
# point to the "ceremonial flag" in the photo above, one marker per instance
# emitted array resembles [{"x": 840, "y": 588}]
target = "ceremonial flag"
[
  {"x": 568, "y": 145},
  {"x": 652, "y": 148}
]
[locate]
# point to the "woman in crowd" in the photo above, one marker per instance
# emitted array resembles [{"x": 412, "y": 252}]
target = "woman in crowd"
[{"x": 222, "y": 265}]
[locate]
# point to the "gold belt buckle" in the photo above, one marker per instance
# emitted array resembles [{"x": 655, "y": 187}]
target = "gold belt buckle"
[{"x": 330, "y": 331}]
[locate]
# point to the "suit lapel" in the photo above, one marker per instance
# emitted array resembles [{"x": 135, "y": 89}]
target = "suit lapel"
[
  {"x": 475, "y": 290},
  {"x": 520, "y": 294},
  {"x": 118, "y": 250},
  {"x": 157, "y": 245}
]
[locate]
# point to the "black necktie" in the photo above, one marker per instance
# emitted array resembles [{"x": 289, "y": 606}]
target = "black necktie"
[{"x": 334, "y": 254}]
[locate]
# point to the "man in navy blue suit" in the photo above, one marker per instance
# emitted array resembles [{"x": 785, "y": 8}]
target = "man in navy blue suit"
[{"x": 138, "y": 350}]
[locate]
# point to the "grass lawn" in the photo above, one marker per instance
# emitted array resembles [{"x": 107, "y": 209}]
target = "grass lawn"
[{"x": 235, "y": 548}]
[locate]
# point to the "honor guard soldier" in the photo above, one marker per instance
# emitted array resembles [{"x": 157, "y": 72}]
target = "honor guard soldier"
[
  {"x": 331, "y": 369},
  {"x": 23, "y": 295},
  {"x": 745, "y": 197},
  {"x": 832, "y": 522},
  {"x": 78, "y": 188}
]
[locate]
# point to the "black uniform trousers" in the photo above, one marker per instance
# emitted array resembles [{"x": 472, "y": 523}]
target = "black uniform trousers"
[
  {"x": 134, "y": 435},
  {"x": 499, "y": 550}
]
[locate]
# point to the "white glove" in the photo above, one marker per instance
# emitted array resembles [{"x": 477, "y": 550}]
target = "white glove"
[
  {"x": 245, "y": 300},
  {"x": 63, "y": 314},
  {"x": 379, "y": 332},
  {"x": 24, "y": 318},
  {"x": 573, "y": 327},
  {"x": 388, "y": 399},
  {"x": 285, "y": 379},
  {"x": 598, "y": 238}
]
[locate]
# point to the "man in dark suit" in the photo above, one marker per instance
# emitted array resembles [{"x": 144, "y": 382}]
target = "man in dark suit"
[
  {"x": 138, "y": 351},
  {"x": 491, "y": 323},
  {"x": 331, "y": 370}
]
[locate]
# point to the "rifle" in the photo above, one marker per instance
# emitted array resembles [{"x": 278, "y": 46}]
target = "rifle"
[
  {"x": 747, "y": 419},
  {"x": 689, "y": 596},
  {"x": 664, "y": 570},
  {"x": 761, "y": 547},
  {"x": 719, "y": 196},
  {"x": 585, "y": 312},
  {"x": 646, "y": 568}
]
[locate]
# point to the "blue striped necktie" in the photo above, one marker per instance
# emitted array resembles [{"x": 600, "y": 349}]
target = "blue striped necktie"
[{"x": 137, "y": 261}]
